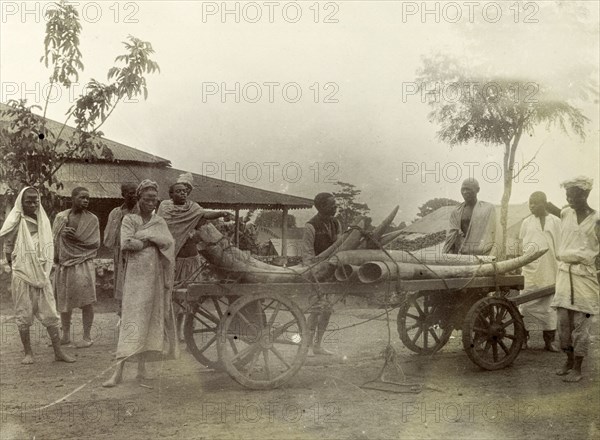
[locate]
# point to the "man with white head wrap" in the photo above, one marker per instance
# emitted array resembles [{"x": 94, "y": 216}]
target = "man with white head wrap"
[
  {"x": 576, "y": 297},
  {"x": 29, "y": 251}
]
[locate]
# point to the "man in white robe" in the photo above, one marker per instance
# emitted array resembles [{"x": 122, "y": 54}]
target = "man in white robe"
[
  {"x": 29, "y": 251},
  {"x": 540, "y": 231},
  {"x": 576, "y": 297}
]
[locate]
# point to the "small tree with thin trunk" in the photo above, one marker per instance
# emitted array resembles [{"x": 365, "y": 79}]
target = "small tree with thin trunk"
[
  {"x": 349, "y": 210},
  {"x": 493, "y": 110},
  {"x": 31, "y": 153}
]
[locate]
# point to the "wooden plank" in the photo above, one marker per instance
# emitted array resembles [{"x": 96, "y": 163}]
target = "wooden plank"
[
  {"x": 195, "y": 291},
  {"x": 535, "y": 294}
]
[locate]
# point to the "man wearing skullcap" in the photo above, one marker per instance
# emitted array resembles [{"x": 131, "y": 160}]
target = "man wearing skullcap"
[
  {"x": 576, "y": 297},
  {"x": 472, "y": 224},
  {"x": 320, "y": 232},
  {"x": 147, "y": 316},
  {"x": 183, "y": 218},
  {"x": 76, "y": 234},
  {"x": 540, "y": 231}
]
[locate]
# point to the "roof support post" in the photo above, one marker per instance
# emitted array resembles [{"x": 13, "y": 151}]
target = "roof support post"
[
  {"x": 236, "y": 235},
  {"x": 284, "y": 227}
]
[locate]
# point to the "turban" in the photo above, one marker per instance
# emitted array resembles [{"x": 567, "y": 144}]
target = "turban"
[
  {"x": 146, "y": 184},
  {"x": 186, "y": 179},
  {"x": 583, "y": 182}
]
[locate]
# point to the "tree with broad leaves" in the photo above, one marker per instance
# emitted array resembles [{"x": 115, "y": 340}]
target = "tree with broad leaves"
[
  {"x": 31, "y": 153},
  {"x": 349, "y": 210},
  {"x": 273, "y": 219},
  {"x": 493, "y": 110},
  {"x": 434, "y": 204}
]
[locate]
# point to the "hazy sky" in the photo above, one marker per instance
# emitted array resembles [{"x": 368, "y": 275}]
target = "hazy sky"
[{"x": 360, "y": 55}]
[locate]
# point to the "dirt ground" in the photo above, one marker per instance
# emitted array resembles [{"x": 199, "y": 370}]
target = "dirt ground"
[{"x": 323, "y": 401}]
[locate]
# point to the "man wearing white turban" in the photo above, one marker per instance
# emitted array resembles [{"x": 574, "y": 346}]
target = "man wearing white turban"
[
  {"x": 576, "y": 297},
  {"x": 29, "y": 251}
]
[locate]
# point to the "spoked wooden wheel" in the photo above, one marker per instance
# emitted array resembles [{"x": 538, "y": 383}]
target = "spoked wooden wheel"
[
  {"x": 422, "y": 324},
  {"x": 263, "y": 340},
  {"x": 200, "y": 329},
  {"x": 493, "y": 333}
]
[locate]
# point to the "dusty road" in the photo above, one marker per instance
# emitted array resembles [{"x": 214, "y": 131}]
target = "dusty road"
[{"x": 324, "y": 400}]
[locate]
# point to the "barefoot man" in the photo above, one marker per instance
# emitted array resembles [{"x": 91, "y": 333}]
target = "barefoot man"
[
  {"x": 540, "y": 231},
  {"x": 76, "y": 240},
  {"x": 472, "y": 224},
  {"x": 576, "y": 297},
  {"x": 29, "y": 251},
  {"x": 147, "y": 317},
  {"x": 320, "y": 232}
]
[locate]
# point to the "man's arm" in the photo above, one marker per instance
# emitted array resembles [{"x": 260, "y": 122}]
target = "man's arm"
[
  {"x": 452, "y": 233},
  {"x": 9, "y": 245},
  {"x": 212, "y": 215},
  {"x": 308, "y": 244},
  {"x": 551, "y": 208},
  {"x": 110, "y": 232}
]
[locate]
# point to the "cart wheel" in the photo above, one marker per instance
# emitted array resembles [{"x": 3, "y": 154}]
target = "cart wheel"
[
  {"x": 200, "y": 329},
  {"x": 493, "y": 333},
  {"x": 263, "y": 340},
  {"x": 422, "y": 323}
]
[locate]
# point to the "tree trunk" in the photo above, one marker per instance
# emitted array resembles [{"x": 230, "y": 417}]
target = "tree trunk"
[
  {"x": 509, "y": 166},
  {"x": 507, "y": 178}
]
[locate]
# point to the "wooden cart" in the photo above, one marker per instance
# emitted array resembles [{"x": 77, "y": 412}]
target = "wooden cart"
[{"x": 258, "y": 332}]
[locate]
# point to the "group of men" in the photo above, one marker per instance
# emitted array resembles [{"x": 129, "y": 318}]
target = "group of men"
[
  {"x": 571, "y": 236},
  {"x": 32, "y": 247}
]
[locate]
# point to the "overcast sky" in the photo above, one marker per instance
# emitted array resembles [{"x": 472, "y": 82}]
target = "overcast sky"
[{"x": 360, "y": 55}]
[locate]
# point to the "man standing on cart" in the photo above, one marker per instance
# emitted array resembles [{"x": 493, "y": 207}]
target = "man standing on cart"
[
  {"x": 576, "y": 297},
  {"x": 320, "y": 232},
  {"x": 472, "y": 224}
]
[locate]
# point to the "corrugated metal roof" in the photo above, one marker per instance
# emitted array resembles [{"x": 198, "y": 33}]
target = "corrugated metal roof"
[
  {"x": 120, "y": 151},
  {"x": 104, "y": 181}
]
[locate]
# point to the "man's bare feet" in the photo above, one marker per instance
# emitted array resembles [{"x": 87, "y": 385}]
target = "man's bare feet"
[
  {"x": 27, "y": 360},
  {"x": 115, "y": 379},
  {"x": 318, "y": 350},
  {"x": 84, "y": 343},
  {"x": 566, "y": 368},
  {"x": 573, "y": 376},
  {"x": 60, "y": 356}
]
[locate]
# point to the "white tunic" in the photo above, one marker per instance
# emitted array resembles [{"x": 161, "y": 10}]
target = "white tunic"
[
  {"x": 577, "y": 251},
  {"x": 538, "y": 314}
]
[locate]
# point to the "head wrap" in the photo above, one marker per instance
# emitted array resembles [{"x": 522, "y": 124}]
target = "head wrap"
[
  {"x": 146, "y": 184},
  {"x": 583, "y": 182},
  {"x": 186, "y": 179},
  {"x": 45, "y": 240}
]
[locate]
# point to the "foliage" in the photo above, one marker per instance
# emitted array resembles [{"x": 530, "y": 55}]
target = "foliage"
[
  {"x": 272, "y": 219},
  {"x": 434, "y": 204},
  {"x": 493, "y": 110},
  {"x": 349, "y": 210},
  {"x": 32, "y": 153}
]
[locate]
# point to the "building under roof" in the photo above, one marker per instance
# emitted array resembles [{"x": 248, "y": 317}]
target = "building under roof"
[{"x": 103, "y": 178}]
